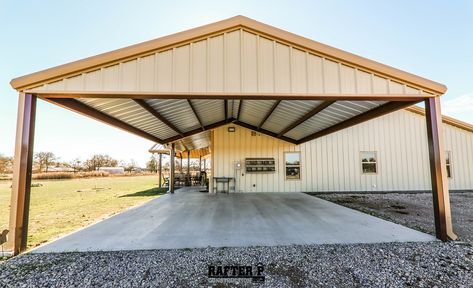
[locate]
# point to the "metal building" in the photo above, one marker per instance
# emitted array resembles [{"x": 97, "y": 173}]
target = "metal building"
[{"x": 277, "y": 111}]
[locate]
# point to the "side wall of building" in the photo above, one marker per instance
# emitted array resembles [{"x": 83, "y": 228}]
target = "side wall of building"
[{"x": 333, "y": 162}]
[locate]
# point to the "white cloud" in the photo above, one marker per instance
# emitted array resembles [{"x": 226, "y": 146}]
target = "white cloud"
[{"x": 460, "y": 104}]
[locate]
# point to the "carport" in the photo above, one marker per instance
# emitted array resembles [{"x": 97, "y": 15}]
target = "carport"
[{"x": 236, "y": 71}]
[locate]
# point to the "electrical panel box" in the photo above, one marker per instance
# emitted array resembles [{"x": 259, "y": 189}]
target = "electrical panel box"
[{"x": 260, "y": 165}]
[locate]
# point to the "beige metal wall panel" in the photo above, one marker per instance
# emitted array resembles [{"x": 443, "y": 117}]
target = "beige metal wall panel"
[
  {"x": 380, "y": 85},
  {"x": 282, "y": 68},
  {"x": 299, "y": 71},
  {"x": 216, "y": 67},
  {"x": 234, "y": 61},
  {"x": 181, "y": 69},
  {"x": 164, "y": 71},
  {"x": 146, "y": 72},
  {"x": 315, "y": 74},
  {"x": 111, "y": 78},
  {"x": 128, "y": 111},
  {"x": 331, "y": 77},
  {"x": 249, "y": 62},
  {"x": 348, "y": 80},
  {"x": 75, "y": 83},
  {"x": 364, "y": 84},
  {"x": 93, "y": 81},
  {"x": 332, "y": 163},
  {"x": 396, "y": 88},
  {"x": 265, "y": 65},
  {"x": 199, "y": 66},
  {"x": 129, "y": 76}
]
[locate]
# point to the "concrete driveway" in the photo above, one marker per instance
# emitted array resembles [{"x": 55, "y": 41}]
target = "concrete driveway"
[{"x": 190, "y": 219}]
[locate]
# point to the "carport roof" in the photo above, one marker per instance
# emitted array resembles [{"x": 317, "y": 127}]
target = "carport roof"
[{"x": 234, "y": 71}]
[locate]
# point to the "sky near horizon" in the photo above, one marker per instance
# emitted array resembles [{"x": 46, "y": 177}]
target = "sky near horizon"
[{"x": 432, "y": 39}]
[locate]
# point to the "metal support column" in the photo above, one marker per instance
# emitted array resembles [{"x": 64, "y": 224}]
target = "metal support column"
[
  {"x": 438, "y": 170},
  {"x": 172, "y": 168},
  {"x": 188, "y": 175},
  {"x": 160, "y": 169},
  {"x": 22, "y": 170}
]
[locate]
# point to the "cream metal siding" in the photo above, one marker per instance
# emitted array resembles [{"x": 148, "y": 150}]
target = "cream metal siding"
[
  {"x": 332, "y": 163},
  {"x": 231, "y": 62}
]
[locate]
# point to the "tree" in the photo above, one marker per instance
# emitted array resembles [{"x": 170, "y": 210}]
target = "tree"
[
  {"x": 131, "y": 166},
  {"x": 76, "y": 164},
  {"x": 44, "y": 160},
  {"x": 152, "y": 164},
  {"x": 99, "y": 160},
  {"x": 6, "y": 164}
]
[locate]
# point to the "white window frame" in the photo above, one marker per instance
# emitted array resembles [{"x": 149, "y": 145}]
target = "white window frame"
[
  {"x": 300, "y": 166},
  {"x": 375, "y": 162}
]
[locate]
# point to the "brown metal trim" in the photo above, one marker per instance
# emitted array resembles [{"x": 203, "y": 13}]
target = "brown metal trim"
[
  {"x": 275, "y": 105},
  {"x": 304, "y": 118},
  {"x": 225, "y": 107},
  {"x": 195, "y": 114},
  {"x": 196, "y": 131},
  {"x": 172, "y": 168},
  {"x": 83, "y": 109},
  {"x": 22, "y": 171},
  {"x": 158, "y": 115},
  {"x": 438, "y": 173},
  {"x": 368, "y": 115},
  {"x": 227, "y": 95},
  {"x": 239, "y": 109},
  {"x": 263, "y": 131}
]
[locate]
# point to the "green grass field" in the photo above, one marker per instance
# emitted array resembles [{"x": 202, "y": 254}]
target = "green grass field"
[{"x": 62, "y": 206}]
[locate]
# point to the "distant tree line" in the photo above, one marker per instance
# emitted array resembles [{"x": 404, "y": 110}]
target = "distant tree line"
[{"x": 44, "y": 161}]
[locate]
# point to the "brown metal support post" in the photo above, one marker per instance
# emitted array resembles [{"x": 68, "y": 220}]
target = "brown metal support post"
[
  {"x": 188, "y": 176},
  {"x": 160, "y": 169},
  {"x": 438, "y": 171},
  {"x": 172, "y": 168},
  {"x": 22, "y": 170}
]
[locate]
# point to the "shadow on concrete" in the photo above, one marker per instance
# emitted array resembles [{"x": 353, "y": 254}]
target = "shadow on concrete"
[{"x": 149, "y": 192}]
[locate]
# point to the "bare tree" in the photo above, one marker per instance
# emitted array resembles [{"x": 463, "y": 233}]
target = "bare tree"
[
  {"x": 131, "y": 166},
  {"x": 44, "y": 160},
  {"x": 6, "y": 164},
  {"x": 76, "y": 164}
]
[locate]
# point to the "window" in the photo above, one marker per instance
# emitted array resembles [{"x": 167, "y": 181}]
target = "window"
[
  {"x": 292, "y": 161},
  {"x": 448, "y": 160},
  {"x": 369, "y": 162}
]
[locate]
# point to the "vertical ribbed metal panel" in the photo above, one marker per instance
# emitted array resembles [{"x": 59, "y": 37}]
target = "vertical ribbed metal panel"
[
  {"x": 233, "y": 61},
  {"x": 332, "y": 163}
]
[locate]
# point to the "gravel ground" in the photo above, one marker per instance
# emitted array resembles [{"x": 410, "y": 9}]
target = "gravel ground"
[
  {"x": 372, "y": 265},
  {"x": 412, "y": 210}
]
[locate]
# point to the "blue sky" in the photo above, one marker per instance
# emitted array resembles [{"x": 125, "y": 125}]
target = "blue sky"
[{"x": 432, "y": 39}]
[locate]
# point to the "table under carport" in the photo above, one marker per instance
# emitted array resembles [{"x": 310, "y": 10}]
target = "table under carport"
[{"x": 189, "y": 83}]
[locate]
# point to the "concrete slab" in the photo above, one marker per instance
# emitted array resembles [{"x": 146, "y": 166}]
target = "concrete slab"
[{"x": 192, "y": 220}]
